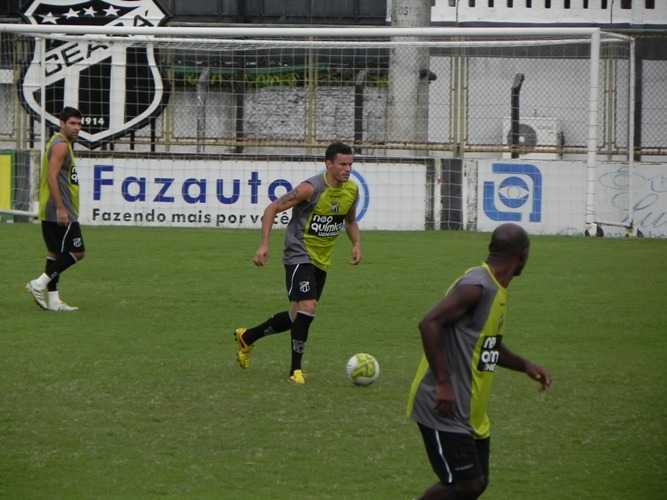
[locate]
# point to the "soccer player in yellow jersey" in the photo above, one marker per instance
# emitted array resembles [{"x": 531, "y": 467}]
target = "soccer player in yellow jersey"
[
  {"x": 322, "y": 206},
  {"x": 59, "y": 212},
  {"x": 463, "y": 344}
]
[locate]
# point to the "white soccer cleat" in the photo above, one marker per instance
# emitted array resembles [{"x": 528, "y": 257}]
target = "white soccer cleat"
[
  {"x": 62, "y": 307},
  {"x": 37, "y": 294}
]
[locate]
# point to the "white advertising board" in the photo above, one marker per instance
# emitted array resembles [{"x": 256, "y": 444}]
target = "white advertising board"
[
  {"x": 649, "y": 196},
  {"x": 233, "y": 194},
  {"x": 545, "y": 198},
  {"x": 549, "y": 197}
]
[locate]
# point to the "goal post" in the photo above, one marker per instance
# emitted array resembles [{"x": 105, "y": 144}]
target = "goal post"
[
  {"x": 231, "y": 115},
  {"x": 596, "y": 216}
]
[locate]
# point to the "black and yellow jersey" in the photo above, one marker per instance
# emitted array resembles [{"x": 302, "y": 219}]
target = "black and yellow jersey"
[
  {"x": 68, "y": 182},
  {"x": 471, "y": 348},
  {"x": 315, "y": 224}
]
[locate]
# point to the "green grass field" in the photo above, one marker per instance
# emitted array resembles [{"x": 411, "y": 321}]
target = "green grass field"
[{"x": 138, "y": 394}]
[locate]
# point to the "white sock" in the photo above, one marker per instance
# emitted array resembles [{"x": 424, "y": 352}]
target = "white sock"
[
  {"x": 54, "y": 298},
  {"x": 42, "y": 281}
]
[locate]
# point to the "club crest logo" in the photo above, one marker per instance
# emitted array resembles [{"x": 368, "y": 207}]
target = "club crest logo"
[
  {"x": 298, "y": 346},
  {"x": 117, "y": 88}
]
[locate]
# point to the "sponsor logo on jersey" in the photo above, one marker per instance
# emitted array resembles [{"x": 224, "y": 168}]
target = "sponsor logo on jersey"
[
  {"x": 73, "y": 177},
  {"x": 326, "y": 226},
  {"x": 489, "y": 354}
]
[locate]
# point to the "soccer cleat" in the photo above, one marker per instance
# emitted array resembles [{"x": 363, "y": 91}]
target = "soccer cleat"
[
  {"x": 243, "y": 354},
  {"x": 37, "y": 294},
  {"x": 62, "y": 307},
  {"x": 297, "y": 377}
]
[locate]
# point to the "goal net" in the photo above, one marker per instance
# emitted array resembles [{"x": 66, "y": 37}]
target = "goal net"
[{"x": 204, "y": 126}]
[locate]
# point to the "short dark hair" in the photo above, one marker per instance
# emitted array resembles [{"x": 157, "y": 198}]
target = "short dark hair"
[
  {"x": 69, "y": 112},
  {"x": 336, "y": 148},
  {"x": 508, "y": 239}
]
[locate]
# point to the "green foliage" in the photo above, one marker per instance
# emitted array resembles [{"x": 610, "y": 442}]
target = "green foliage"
[
  {"x": 380, "y": 81},
  {"x": 262, "y": 80},
  {"x": 219, "y": 78},
  {"x": 332, "y": 78},
  {"x": 183, "y": 77},
  {"x": 138, "y": 394}
]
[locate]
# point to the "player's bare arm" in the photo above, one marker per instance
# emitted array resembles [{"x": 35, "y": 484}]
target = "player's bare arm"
[
  {"x": 58, "y": 155},
  {"x": 303, "y": 192},
  {"x": 431, "y": 332},
  {"x": 286, "y": 199},
  {"x": 448, "y": 311},
  {"x": 512, "y": 361},
  {"x": 353, "y": 233}
]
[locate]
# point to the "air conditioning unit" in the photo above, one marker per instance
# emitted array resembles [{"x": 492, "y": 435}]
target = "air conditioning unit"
[{"x": 534, "y": 133}]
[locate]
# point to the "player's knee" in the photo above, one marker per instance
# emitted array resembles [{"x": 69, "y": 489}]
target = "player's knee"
[
  {"x": 307, "y": 306},
  {"x": 78, "y": 256},
  {"x": 472, "y": 488}
]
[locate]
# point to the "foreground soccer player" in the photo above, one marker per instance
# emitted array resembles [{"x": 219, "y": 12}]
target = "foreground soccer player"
[
  {"x": 463, "y": 343},
  {"x": 322, "y": 205},
  {"x": 59, "y": 211}
]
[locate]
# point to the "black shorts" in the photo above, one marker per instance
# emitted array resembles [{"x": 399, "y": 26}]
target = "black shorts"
[
  {"x": 304, "y": 282},
  {"x": 456, "y": 457},
  {"x": 63, "y": 239}
]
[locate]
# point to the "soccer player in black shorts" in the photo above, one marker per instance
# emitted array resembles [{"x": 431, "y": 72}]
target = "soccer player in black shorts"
[
  {"x": 462, "y": 337},
  {"x": 322, "y": 207},
  {"x": 59, "y": 211}
]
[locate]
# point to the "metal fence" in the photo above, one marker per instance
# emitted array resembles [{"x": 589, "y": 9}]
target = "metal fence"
[{"x": 445, "y": 97}]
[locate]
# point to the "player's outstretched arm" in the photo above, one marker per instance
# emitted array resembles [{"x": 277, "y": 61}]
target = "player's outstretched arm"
[
  {"x": 539, "y": 374},
  {"x": 303, "y": 192},
  {"x": 512, "y": 361},
  {"x": 262, "y": 254},
  {"x": 353, "y": 233}
]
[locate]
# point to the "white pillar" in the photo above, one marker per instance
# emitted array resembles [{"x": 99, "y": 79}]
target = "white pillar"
[{"x": 407, "y": 100}]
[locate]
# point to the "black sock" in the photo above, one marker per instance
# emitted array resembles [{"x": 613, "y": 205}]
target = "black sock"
[
  {"x": 58, "y": 266},
  {"x": 53, "y": 284},
  {"x": 299, "y": 338},
  {"x": 279, "y": 322}
]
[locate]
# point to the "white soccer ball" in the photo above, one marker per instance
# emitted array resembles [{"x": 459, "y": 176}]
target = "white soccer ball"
[{"x": 363, "y": 369}]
